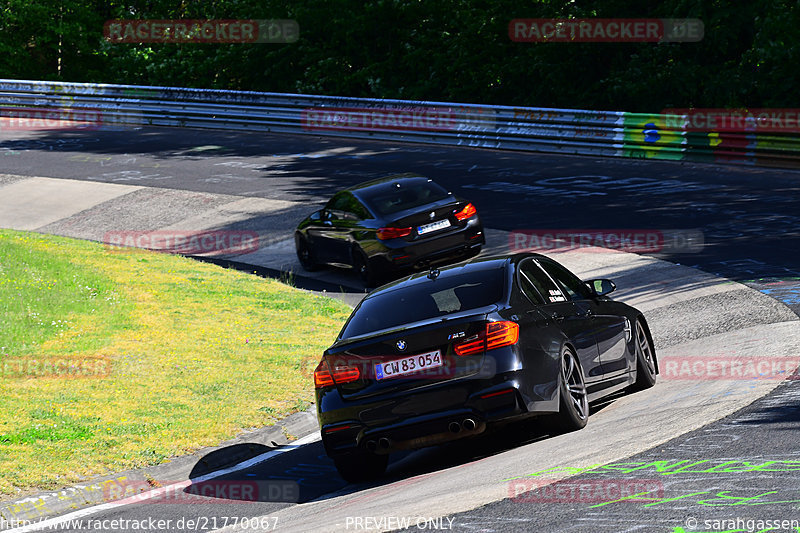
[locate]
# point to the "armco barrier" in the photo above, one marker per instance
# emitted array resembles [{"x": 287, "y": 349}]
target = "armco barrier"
[{"x": 566, "y": 131}]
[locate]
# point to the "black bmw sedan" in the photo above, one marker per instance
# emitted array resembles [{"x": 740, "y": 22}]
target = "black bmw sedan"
[
  {"x": 443, "y": 355},
  {"x": 388, "y": 225}
]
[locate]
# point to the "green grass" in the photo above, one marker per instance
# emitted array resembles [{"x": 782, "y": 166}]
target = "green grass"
[{"x": 194, "y": 354}]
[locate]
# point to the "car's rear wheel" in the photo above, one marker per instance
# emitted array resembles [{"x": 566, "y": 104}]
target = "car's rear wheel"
[
  {"x": 304, "y": 254},
  {"x": 645, "y": 358},
  {"x": 472, "y": 252},
  {"x": 364, "y": 269},
  {"x": 361, "y": 466},
  {"x": 574, "y": 404}
]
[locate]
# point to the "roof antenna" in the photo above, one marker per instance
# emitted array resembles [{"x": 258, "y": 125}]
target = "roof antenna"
[{"x": 433, "y": 274}]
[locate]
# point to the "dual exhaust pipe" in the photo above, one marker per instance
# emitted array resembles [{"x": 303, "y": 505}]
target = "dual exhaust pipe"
[
  {"x": 467, "y": 424},
  {"x": 384, "y": 443}
]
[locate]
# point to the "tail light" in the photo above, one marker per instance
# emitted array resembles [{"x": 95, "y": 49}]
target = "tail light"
[
  {"x": 501, "y": 334},
  {"x": 468, "y": 211},
  {"x": 472, "y": 347},
  {"x": 392, "y": 233},
  {"x": 323, "y": 377},
  {"x": 497, "y": 334}
]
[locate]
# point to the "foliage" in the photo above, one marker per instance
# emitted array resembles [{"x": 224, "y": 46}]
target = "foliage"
[{"x": 449, "y": 50}]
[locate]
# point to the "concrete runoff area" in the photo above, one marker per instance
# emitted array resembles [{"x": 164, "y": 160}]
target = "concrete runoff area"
[
  {"x": 35, "y": 202},
  {"x": 692, "y": 315}
]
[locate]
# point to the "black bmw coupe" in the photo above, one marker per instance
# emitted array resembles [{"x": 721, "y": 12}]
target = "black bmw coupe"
[
  {"x": 441, "y": 355},
  {"x": 387, "y": 225}
]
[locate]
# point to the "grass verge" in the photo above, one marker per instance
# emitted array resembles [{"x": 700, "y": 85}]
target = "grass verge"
[{"x": 120, "y": 359}]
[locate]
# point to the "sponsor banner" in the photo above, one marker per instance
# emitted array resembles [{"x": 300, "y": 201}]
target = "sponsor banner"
[
  {"x": 753, "y": 120},
  {"x": 700, "y": 368},
  {"x": 243, "y": 31},
  {"x": 39, "y": 118},
  {"x": 537, "y": 490},
  {"x": 650, "y": 136},
  {"x": 54, "y": 367},
  {"x": 593, "y": 240},
  {"x": 186, "y": 492},
  {"x": 185, "y": 242},
  {"x": 477, "y": 119},
  {"x": 381, "y": 118},
  {"x": 597, "y": 30},
  {"x": 568, "y": 117},
  {"x": 732, "y": 147}
]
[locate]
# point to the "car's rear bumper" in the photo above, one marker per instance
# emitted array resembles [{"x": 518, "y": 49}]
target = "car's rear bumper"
[
  {"x": 400, "y": 254},
  {"x": 439, "y": 413},
  {"x": 419, "y": 431}
]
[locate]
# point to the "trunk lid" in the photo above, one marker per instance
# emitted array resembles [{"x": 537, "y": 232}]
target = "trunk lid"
[
  {"x": 429, "y": 220},
  {"x": 410, "y": 357}
]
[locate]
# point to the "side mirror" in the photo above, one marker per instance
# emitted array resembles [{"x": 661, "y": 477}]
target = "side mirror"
[{"x": 601, "y": 287}]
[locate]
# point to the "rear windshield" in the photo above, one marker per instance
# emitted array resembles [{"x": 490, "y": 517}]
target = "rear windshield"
[
  {"x": 408, "y": 195},
  {"x": 430, "y": 299}
]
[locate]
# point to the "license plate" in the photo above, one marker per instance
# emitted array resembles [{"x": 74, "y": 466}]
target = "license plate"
[
  {"x": 433, "y": 226},
  {"x": 408, "y": 365}
]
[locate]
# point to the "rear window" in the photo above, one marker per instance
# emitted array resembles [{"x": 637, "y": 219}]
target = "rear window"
[
  {"x": 386, "y": 201},
  {"x": 430, "y": 299}
]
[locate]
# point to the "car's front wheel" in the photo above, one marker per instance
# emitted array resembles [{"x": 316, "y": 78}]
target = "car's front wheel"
[
  {"x": 304, "y": 254},
  {"x": 361, "y": 466},
  {"x": 574, "y": 403}
]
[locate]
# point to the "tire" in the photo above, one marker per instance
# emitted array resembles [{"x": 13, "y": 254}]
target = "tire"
[
  {"x": 364, "y": 269},
  {"x": 573, "y": 413},
  {"x": 304, "y": 254},
  {"x": 361, "y": 466},
  {"x": 645, "y": 358},
  {"x": 473, "y": 252}
]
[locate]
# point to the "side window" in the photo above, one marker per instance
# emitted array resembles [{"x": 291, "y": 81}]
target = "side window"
[
  {"x": 536, "y": 285},
  {"x": 345, "y": 205},
  {"x": 573, "y": 287},
  {"x": 358, "y": 209},
  {"x": 336, "y": 204}
]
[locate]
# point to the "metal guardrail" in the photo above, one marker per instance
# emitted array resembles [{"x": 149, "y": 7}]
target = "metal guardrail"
[{"x": 565, "y": 131}]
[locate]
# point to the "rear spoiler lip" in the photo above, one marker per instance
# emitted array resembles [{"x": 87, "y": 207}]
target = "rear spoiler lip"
[{"x": 343, "y": 344}]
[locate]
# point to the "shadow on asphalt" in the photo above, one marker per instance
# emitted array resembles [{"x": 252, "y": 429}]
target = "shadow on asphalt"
[
  {"x": 300, "y": 282},
  {"x": 744, "y": 239},
  {"x": 306, "y": 473}
]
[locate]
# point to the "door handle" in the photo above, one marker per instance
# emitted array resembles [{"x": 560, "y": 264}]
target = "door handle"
[
  {"x": 557, "y": 317},
  {"x": 586, "y": 313}
]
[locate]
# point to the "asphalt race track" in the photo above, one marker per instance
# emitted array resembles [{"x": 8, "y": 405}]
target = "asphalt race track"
[{"x": 685, "y": 455}]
